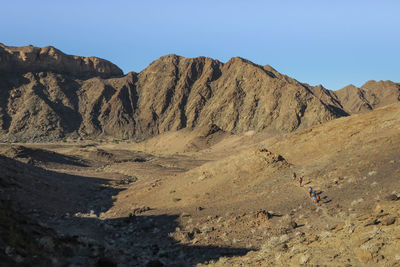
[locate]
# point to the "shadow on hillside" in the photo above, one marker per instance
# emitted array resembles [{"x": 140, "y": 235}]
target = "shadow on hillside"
[
  {"x": 134, "y": 240},
  {"x": 144, "y": 238},
  {"x": 65, "y": 84},
  {"x": 52, "y": 192},
  {"x": 41, "y": 155},
  {"x": 338, "y": 111}
]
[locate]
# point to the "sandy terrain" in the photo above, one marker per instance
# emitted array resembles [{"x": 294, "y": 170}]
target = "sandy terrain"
[{"x": 183, "y": 198}]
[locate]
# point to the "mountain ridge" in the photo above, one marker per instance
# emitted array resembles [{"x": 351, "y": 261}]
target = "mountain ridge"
[
  {"x": 49, "y": 58},
  {"x": 54, "y": 95}
]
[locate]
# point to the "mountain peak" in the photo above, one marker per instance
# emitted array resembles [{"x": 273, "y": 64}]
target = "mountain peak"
[
  {"x": 377, "y": 83},
  {"x": 169, "y": 56},
  {"x": 240, "y": 60}
]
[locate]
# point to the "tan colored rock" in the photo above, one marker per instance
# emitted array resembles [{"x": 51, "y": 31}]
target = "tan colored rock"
[
  {"x": 36, "y": 59},
  {"x": 373, "y": 94},
  {"x": 363, "y": 255}
]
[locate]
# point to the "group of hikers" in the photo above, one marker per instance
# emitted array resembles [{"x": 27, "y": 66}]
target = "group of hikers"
[{"x": 315, "y": 197}]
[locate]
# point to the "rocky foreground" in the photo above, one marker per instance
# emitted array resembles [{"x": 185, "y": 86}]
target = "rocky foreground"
[
  {"x": 371, "y": 239},
  {"x": 207, "y": 198}
]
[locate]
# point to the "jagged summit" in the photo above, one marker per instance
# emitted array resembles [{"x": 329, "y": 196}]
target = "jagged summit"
[{"x": 36, "y": 59}]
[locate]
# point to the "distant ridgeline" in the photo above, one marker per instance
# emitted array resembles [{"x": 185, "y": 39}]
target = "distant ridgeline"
[{"x": 46, "y": 95}]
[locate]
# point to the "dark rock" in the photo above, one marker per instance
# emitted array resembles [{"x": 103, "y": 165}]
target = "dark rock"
[
  {"x": 388, "y": 221},
  {"x": 293, "y": 224},
  {"x": 139, "y": 159},
  {"x": 105, "y": 262},
  {"x": 155, "y": 249},
  {"x": 263, "y": 215},
  {"x": 140, "y": 210},
  {"x": 194, "y": 232},
  {"x": 372, "y": 221},
  {"x": 282, "y": 247},
  {"x": 155, "y": 263},
  {"x": 391, "y": 197},
  {"x": 67, "y": 252}
]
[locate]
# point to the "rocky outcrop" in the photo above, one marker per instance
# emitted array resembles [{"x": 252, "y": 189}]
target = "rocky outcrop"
[
  {"x": 36, "y": 59},
  {"x": 326, "y": 246}
]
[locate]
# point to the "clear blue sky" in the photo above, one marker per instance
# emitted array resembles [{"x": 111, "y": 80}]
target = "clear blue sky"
[{"x": 333, "y": 43}]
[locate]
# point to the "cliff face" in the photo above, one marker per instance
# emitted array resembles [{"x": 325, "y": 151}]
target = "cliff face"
[
  {"x": 46, "y": 95},
  {"x": 35, "y": 59}
]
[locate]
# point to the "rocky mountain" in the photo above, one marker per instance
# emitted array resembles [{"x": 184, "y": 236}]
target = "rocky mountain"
[
  {"x": 237, "y": 96},
  {"x": 47, "y": 95},
  {"x": 36, "y": 59},
  {"x": 371, "y": 95}
]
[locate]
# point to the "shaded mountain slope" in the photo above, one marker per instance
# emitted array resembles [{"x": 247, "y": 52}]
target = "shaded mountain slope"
[{"x": 47, "y": 106}]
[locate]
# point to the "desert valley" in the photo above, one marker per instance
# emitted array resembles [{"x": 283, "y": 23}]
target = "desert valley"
[{"x": 190, "y": 162}]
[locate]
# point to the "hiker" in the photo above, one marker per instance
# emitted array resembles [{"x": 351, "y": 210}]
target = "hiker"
[
  {"x": 318, "y": 199},
  {"x": 294, "y": 176},
  {"x": 300, "y": 180},
  {"x": 314, "y": 199},
  {"x": 310, "y": 191},
  {"x": 314, "y": 194}
]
